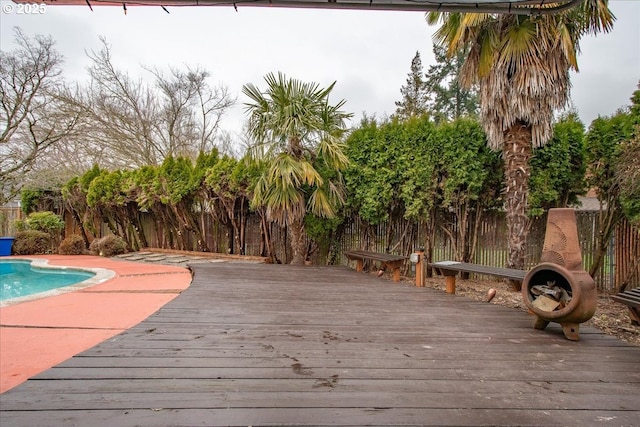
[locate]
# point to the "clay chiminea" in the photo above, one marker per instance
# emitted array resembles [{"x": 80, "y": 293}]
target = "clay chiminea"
[{"x": 559, "y": 289}]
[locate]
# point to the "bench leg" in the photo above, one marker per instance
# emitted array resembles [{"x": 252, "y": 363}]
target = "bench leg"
[
  {"x": 634, "y": 315},
  {"x": 395, "y": 266},
  {"x": 450, "y": 284},
  {"x": 359, "y": 265}
]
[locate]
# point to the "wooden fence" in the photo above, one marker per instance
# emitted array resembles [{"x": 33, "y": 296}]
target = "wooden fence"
[
  {"x": 621, "y": 263},
  {"x": 8, "y": 215},
  {"x": 404, "y": 236},
  {"x": 626, "y": 255}
]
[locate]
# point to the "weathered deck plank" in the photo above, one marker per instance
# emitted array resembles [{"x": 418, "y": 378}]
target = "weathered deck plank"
[
  {"x": 378, "y": 416},
  {"x": 273, "y": 385},
  {"x": 275, "y": 345},
  {"x": 335, "y": 399}
]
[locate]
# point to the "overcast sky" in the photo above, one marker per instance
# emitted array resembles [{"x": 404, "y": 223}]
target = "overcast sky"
[{"x": 368, "y": 53}]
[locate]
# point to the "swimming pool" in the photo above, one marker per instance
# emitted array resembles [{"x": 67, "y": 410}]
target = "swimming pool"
[{"x": 20, "y": 278}]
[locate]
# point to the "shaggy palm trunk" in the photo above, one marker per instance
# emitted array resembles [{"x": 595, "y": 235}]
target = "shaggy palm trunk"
[
  {"x": 298, "y": 246},
  {"x": 517, "y": 152}
]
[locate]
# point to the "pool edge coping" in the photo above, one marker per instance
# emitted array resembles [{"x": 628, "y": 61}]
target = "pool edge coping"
[{"x": 101, "y": 275}]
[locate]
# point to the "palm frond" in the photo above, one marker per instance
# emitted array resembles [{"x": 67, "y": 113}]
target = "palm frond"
[
  {"x": 332, "y": 152},
  {"x": 596, "y": 16},
  {"x": 293, "y": 125},
  {"x": 487, "y": 52},
  {"x": 521, "y": 63},
  {"x": 285, "y": 172},
  {"x": 521, "y": 45},
  {"x": 309, "y": 175},
  {"x": 320, "y": 205}
]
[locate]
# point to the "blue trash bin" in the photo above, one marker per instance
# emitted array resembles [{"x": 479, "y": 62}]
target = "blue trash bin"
[{"x": 5, "y": 245}]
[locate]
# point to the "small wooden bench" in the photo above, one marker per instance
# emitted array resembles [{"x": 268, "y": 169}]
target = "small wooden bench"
[
  {"x": 393, "y": 262},
  {"x": 632, "y": 300},
  {"x": 449, "y": 269}
]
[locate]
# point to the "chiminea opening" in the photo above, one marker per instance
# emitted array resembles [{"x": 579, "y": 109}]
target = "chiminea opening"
[{"x": 549, "y": 290}]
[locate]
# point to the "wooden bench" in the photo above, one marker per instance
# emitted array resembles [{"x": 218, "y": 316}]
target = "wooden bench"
[
  {"x": 632, "y": 300},
  {"x": 393, "y": 262},
  {"x": 449, "y": 269}
]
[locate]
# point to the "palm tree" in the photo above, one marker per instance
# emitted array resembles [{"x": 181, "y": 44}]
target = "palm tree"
[
  {"x": 297, "y": 136},
  {"x": 522, "y": 64}
]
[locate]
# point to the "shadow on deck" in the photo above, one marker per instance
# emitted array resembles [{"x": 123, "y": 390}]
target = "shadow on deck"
[{"x": 256, "y": 344}]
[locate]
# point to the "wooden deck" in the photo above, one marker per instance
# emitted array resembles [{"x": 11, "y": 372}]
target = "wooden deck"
[{"x": 251, "y": 344}]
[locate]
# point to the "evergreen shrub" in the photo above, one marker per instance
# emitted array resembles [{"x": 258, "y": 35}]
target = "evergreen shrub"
[{"x": 45, "y": 221}]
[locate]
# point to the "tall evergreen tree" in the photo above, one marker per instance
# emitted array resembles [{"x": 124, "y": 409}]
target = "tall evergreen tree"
[
  {"x": 414, "y": 94},
  {"x": 448, "y": 100}
]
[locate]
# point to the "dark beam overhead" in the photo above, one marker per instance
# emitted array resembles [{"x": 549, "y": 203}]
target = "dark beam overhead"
[{"x": 520, "y": 7}]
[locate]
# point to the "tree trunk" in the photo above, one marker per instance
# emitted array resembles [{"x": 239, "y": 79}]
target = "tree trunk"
[
  {"x": 430, "y": 238},
  {"x": 517, "y": 153},
  {"x": 474, "y": 230},
  {"x": 298, "y": 247},
  {"x": 266, "y": 245},
  {"x": 85, "y": 235},
  {"x": 607, "y": 221},
  {"x": 231, "y": 231},
  {"x": 243, "y": 227}
]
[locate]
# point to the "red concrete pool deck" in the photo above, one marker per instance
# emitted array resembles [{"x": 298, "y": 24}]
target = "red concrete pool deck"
[{"x": 39, "y": 334}]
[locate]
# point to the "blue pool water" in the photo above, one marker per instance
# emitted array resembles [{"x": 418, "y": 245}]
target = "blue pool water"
[{"x": 20, "y": 278}]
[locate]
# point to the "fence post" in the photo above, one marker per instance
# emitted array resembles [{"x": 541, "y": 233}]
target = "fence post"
[{"x": 420, "y": 268}]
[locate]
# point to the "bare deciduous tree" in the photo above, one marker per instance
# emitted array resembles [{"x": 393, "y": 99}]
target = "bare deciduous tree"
[
  {"x": 141, "y": 124},
  {"x": 33, "y": 115}
]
